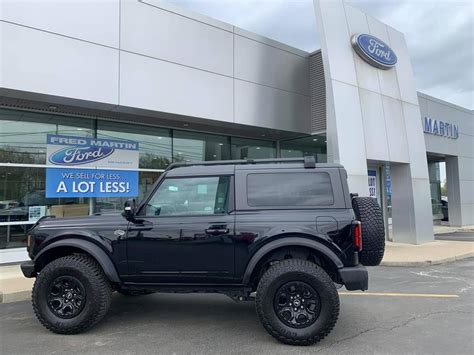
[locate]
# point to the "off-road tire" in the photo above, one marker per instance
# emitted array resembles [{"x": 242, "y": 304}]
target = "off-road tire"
[
  {"x": 304, "y": 271},
  {"x": 97, "y": 290},
  {"x": 369, "y": 213}
]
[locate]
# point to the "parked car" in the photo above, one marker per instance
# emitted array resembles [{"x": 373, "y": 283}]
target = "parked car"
[
  {"x": 445, "y": 208},
  {"x": 287, "y": 229},
  {"x": 8, "y": 204}
]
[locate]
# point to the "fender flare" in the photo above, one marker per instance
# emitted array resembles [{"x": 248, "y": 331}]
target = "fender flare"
[
  {"x": 95, "y": 251},
  {"x": 289, "y": 242}
]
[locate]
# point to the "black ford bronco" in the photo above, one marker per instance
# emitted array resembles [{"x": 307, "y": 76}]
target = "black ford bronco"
[{"x": 285, "y": 232}]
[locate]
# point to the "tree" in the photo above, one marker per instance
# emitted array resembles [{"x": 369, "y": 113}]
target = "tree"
[
  {"x": 444, "y": 188},
  {"x": 151, "y": 161},
  {"x": 10, "y": 154}
]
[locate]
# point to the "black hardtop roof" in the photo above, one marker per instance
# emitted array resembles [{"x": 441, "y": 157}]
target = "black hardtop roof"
[{"x": 249, "y": 164}]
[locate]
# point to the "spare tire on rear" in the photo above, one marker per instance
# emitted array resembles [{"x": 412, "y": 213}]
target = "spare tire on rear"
[{"x": 369, "y": 213}]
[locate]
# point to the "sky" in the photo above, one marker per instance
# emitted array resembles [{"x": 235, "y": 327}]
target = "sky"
[{"x": 439, "y": 34}]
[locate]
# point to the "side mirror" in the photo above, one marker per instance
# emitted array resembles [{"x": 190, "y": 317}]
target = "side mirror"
[{"x": 130, "y": 209}]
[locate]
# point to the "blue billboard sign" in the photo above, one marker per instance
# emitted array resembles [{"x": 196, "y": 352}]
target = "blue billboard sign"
[
  {"x": 101, "y": 162},
  {"x": 91, "y": 152},
  {"x": 91, "y": 183},
  {"x": 388, "y": 182}
]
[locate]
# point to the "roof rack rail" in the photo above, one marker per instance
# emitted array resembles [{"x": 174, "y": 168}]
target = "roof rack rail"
[{"x": 309, "y": 162}]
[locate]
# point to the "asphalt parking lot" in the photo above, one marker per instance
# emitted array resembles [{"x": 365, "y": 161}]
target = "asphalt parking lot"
[{"x": 407, "y": 310}]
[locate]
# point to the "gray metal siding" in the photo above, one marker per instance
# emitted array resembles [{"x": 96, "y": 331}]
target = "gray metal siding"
[
  {"x": 168, "y": 62},
  {"x": 318, "y": 93}
]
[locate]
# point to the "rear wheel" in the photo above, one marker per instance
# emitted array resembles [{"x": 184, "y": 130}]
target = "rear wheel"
[
  {"x": 297, "y": 302},
  {"x": 369, "y": 213},
  {"x": 71, "y": 294}
]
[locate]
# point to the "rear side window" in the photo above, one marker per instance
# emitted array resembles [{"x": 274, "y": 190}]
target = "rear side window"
[{"x": 289, "y": 190}]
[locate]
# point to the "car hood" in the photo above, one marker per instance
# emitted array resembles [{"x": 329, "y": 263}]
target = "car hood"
[{"x": 108, "y": 219}]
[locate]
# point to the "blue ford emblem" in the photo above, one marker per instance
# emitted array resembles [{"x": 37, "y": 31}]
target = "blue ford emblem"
[
  {"x": 374, "y": 51},
  {"x": 79, "y": 155}
]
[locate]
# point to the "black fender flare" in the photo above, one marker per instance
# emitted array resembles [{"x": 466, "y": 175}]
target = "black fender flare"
[
  {"x": 289, "y": 242},
  {"x": 94, "y": 250}
]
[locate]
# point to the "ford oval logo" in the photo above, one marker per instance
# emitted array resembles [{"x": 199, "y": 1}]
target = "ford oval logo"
[
  {"x": 374, "y": 51},
  {"x": 79, "y": 155}
]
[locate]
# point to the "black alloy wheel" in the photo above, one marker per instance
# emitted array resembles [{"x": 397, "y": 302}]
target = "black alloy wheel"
[
  {"x": 66, "y": 297},
  {"x": 297, "y": 304}
]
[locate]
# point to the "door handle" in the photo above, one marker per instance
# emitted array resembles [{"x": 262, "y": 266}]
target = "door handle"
[{"x": 217, "y": 230}]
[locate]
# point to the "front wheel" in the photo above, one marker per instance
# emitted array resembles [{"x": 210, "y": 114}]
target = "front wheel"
[
  {"x": 297, "y": 302},
  {"x": 71, "y": 294}
]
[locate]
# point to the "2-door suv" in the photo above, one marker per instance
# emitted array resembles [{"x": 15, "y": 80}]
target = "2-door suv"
[{"x": 286, "y": 229}]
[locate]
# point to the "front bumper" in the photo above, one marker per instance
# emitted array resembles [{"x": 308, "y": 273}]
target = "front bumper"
[
  {"x": 355, "y": 277},
  {"x": 28, "y": 269}
]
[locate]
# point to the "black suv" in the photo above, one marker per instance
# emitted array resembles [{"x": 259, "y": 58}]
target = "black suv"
[{"x": 285, "y": 232}]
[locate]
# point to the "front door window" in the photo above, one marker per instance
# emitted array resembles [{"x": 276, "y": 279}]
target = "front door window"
[{"x": 190, "y": 196}]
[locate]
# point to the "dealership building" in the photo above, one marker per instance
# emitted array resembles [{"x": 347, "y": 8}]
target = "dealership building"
[{"x": 187, "y": 87}]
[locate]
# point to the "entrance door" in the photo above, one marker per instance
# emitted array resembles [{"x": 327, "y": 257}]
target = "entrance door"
[{"x": 185, "y": 234}]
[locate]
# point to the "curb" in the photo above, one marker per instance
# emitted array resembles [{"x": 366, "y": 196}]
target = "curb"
[
  {"x": 427, "y": 262},
  {"x": 469, "y": 230},
  {"x": 15, "y": 296}
]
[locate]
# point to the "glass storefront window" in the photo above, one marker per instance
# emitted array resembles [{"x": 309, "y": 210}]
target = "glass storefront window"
[
  {"x": 192, "y": 146},
  {"x": 13, "y": 236},
  {"x": 243, "y": 148},
  {"x": 154, "y": 143},
  {"x": 22, "y": 188},
  {"x": 22, "y": 201},
  {"x": 435, "y": 188},
  {"x": 146, "y": 180},
  {"x": 23, "y": 141},
  {"x": 23, "y": 134},
  {"x": 306, "y": 146}
]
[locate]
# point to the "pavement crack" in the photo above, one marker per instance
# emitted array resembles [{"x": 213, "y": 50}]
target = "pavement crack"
[
  {"x": 423, "y": 316},
  {"x": 351, "y": 337},
  {"x": 436, "y": 274},
  {"x": 400, "y": 325}
]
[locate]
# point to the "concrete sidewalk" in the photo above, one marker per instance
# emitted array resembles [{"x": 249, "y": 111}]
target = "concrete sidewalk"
[
  {"x": 437, "y": 252},
  {"x": 14, "y": 287},
  {"x": 443, "y": 229}
]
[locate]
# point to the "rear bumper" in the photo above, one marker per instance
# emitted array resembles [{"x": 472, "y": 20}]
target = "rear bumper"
[
  {"x": 355, "y": 278},
  {"x": 28, "y": 269}
]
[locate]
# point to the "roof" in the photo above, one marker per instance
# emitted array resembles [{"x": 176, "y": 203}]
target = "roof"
[{"x": 229, "y": 166}]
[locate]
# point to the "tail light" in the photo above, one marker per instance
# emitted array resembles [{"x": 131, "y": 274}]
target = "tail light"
[{"x": 357, "y": 233}]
